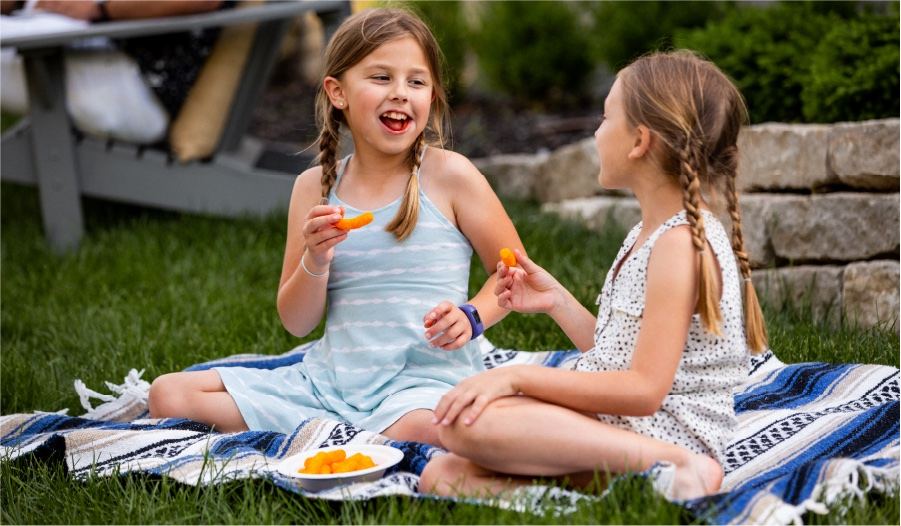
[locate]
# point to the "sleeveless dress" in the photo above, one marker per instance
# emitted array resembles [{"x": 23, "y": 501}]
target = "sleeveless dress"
[
  {"x": 698, "y": 413},
  {"x": 373, "y": 365}
]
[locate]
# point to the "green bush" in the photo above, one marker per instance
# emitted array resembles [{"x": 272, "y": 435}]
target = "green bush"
[
  {"x": 624, "y": 31},
  {"x": 810, "y": 62},
  {"x": 767, "y": 52},
  {"x": 536, "y": 52},
  {"x": 449, "y": 27},
  {"x": 854, "y": 72}
]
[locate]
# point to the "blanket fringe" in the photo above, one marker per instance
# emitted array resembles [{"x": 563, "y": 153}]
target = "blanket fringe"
[
  {"x": 129, "y": 397},
  {"x": 852, "y": 480}
]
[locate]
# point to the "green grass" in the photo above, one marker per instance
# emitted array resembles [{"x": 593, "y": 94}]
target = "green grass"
[{"x": 161, "y": 291}]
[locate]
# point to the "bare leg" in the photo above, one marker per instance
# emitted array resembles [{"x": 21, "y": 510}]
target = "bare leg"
[
  {"x": 522, "y": 436},
  {"x": 198, "y": 395},
  {"x": 416, "y": 426}
]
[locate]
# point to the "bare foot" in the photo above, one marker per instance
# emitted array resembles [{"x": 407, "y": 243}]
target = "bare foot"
[{"x": 697, "y": 476}]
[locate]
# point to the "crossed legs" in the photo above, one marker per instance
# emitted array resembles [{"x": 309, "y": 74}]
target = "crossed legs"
[{"x": 520, "y": 436}]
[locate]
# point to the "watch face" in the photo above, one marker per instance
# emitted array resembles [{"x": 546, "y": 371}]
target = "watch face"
[{"x": 475, "y": 314}]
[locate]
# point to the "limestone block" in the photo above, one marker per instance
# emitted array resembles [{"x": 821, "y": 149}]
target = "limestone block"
[
  {"x": 811, "y": 288},
  {"x": 513, "y": 176},
  {"x": 865, "y": 154},
  {"x": 598, "y": 212},
  {"x": 870, "y": 293},
  {"x": 834, "y": 227},
  {"x": 783, "y": 156},
  {"x": 571, "y": 171}
]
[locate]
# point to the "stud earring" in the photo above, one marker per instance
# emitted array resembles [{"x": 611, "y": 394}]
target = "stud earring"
[{"x": 340, "y": 104}]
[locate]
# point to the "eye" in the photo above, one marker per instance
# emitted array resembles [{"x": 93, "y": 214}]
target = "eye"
[
  {"x": 381, "y": 78},
  {"x": 418, "y": 82}
]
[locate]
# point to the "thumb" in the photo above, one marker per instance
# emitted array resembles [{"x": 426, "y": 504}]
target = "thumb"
[{"x": 527, "y": 264}]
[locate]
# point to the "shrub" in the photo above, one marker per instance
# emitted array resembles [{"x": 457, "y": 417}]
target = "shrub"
[
  {"x": 536, "y": 52},
  {"x": 767, "y": 52},
  {"x": 624, "y": 31},
  {"x": 854, "y": 72},
  {"x": 446, "y": 21}
]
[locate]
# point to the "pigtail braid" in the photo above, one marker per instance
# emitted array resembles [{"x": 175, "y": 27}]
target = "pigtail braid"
[
  {"x": 755, "y": 328},
  {"x": 404, "y": 221},
  {"x": 690, "y": 173},
  {"x": 328, "y": 152}
]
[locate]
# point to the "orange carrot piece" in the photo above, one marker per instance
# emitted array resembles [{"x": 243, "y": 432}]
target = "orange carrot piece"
[
  {"x": 508, "y": 257},
  {"x": 351, "y": 223}
]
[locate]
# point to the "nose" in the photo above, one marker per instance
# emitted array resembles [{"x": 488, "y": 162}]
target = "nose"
[{"x": 399, "y": 91}]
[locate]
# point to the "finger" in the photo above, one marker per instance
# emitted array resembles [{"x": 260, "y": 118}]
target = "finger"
[
  {"x": 323, "y": 210},
  {"x": 316, "y": 241},
  {"x": 475, "y": 409},
  {"x": 459, "y": 342},
  {"x": 504, "y": 300},
  {"x": 449, "y": 336},
  {"x": 440, "y": 325},
  {"x": 460, "y": 403},
  {"x": 527, "y": 264},
  {"x": 441, "y": 409}
]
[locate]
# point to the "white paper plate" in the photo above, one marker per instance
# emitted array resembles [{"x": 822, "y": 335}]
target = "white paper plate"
[{"x": 383, "y": 456}]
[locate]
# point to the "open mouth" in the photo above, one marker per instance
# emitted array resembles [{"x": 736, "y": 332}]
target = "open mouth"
[{"x": 395, "y": 121}]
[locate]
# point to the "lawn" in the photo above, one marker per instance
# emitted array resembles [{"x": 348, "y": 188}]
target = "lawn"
[{"x": 161, "y": 291}]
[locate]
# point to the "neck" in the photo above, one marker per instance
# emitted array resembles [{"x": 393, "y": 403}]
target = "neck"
[
  {"x": 660, "y": 198},
  {"x": 374, "y": 165}
]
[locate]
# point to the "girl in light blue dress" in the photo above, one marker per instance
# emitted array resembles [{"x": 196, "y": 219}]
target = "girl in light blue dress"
[{"x": 400, "y": 327}]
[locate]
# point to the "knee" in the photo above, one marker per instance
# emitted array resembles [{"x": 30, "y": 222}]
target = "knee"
[
  {"x": 165, "y": 396},
  {"x": 463, "y": 439}
]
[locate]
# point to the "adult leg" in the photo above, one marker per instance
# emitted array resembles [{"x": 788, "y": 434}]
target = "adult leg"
[
  {"x": 198, "y": 395},
  {"x": 523, "y": 436}
]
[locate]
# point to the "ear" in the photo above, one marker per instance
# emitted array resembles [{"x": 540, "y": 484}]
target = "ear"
[
  {"x": 642, "y": 143},
  {"x": 335, "y": 92}
]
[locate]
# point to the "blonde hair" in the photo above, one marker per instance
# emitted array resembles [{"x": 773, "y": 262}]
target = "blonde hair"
[
  {"x": 357, "y": 37},
  {"x": 697, "y": 113}
]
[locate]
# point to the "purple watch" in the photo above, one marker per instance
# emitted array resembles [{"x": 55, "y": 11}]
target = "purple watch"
[{"x": 475, "y": 321}]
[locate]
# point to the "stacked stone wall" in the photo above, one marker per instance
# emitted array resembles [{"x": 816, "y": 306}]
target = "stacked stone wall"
[{"x": 820, "y": 210}]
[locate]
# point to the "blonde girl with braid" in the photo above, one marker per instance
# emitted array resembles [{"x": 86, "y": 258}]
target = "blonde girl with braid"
[
  {"x": 400, "y": 327},
  {"x": 677, "y": 317}
]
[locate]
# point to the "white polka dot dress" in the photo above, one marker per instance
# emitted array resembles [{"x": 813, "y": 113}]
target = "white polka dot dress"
[{"x": 698, "y": 412}]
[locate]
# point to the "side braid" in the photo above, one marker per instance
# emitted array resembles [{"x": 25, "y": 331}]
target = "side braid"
[
  {"x": 690, "y": 173},
  {"x": 755, "y": 329},
  {"x": 404, "y": 221},
  {"x": 328, "y": 151}
]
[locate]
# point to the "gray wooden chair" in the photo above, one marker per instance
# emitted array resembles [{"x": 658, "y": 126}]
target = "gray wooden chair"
[{"x": 44, "y": 150}]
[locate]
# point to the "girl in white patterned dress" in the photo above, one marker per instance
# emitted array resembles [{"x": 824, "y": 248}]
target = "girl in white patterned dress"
[{"x": 670, "y": 341}]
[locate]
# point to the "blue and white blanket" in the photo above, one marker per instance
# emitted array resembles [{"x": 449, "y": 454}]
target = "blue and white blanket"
[{"x": 810, "y": 435}]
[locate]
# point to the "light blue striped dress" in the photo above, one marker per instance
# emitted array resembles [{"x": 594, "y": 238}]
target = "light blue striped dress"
[{"x": 373, "y": 365}]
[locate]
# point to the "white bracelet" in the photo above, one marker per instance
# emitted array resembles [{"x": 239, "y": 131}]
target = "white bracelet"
[{"x": 305, "y": 269}]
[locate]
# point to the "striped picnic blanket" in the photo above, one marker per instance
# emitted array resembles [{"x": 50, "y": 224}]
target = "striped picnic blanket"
[{"x": 810, "y": 435}]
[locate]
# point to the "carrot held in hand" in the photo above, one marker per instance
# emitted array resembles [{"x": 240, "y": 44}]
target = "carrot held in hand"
[
  {"x": 508, "y": 257},
  {"x": 350, "y": 223}
]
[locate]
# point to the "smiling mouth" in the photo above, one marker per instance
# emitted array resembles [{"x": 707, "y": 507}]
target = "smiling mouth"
[{"x": 395, "y": 121}]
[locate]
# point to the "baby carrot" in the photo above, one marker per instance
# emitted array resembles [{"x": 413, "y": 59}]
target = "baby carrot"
[
  {"x": 508, "y": 257},
  {"x": 351, "y": 223}
]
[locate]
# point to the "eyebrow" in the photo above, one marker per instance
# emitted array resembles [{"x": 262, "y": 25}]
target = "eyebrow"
[{"x": 418, "y": 71}]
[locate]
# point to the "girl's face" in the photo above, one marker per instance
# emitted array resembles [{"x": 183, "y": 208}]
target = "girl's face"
[
  {"x": 387, "y": 96},
  {"x": 614, "y": 139}
]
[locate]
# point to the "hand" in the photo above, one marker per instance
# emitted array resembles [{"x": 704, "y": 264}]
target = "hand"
[
  {"x": 526, "y": 288},
  {"x": 470, "y": 397},
  {"x": 447, "y": 327},
  {"x": 80, "y": 9},
  {"x": 320, "y": 236}
]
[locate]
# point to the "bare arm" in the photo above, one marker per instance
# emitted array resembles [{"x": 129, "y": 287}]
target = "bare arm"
[
  {"x": 639, "y": 391},
  {"x": 312, "y": 236}
]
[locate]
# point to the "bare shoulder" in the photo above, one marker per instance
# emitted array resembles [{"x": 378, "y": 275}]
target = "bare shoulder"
[
  {"x": 673, "y": 252},
  {"x": 449, "y": 169}
]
